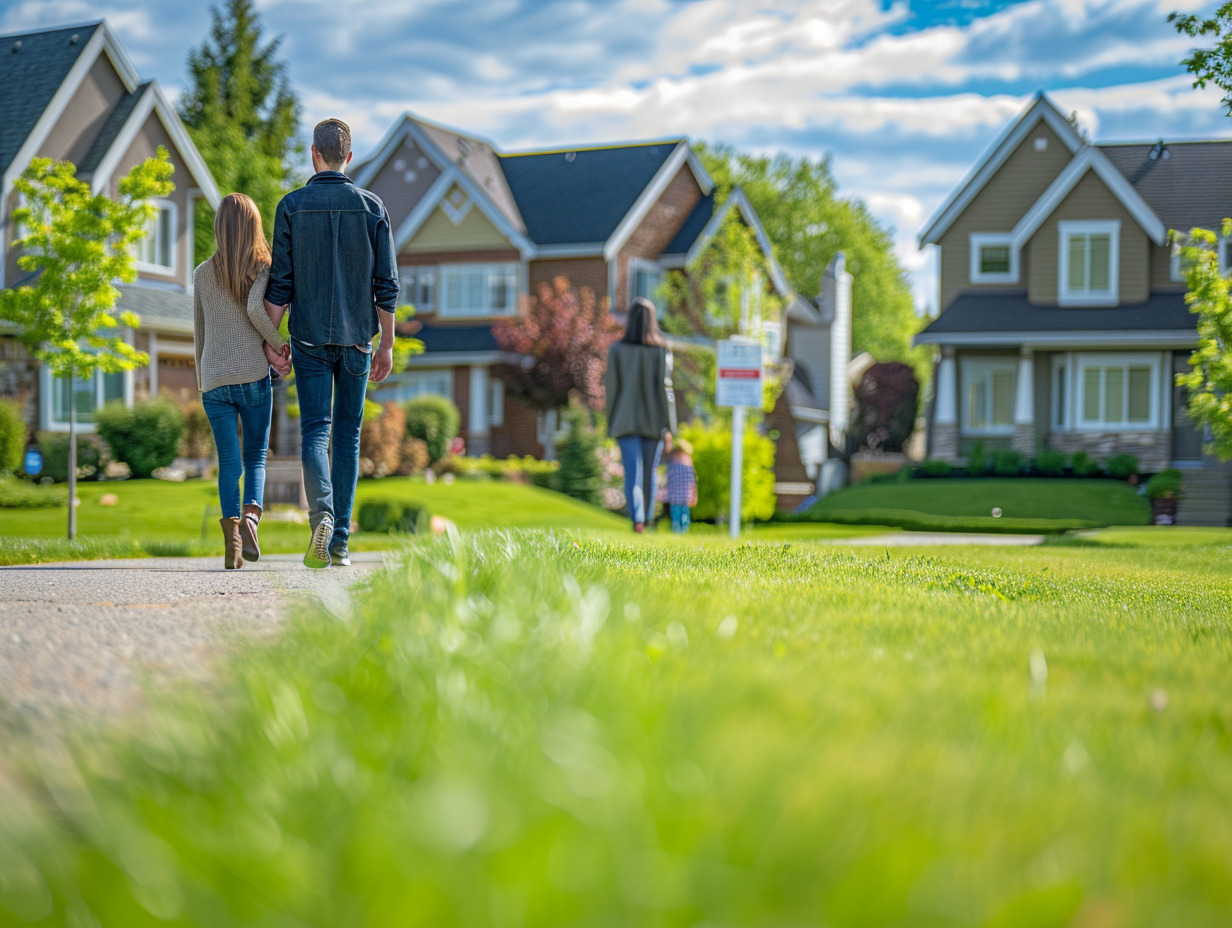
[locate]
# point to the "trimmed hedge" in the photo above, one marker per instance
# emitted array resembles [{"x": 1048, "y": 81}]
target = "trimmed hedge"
[
  {"x": 12, "y": 437},
  {"x": 21, "y": 494},
  {"x": 54, "y": 446},
  {"x": 433, "y": 420},
  {"x": 145, "y": 437},
  {"x": 385, "y": 514}
]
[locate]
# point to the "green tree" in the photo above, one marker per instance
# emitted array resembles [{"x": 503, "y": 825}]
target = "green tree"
[
  {"x": 75, "y": 243},
  {"x": 807, "y": 222},
  {"x": 241, "y": 113},
  {"x": 1209, "y": 65},
  {"x": 1209, "y": 378}
]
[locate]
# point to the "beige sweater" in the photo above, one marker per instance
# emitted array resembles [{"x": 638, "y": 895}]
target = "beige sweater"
[{"x": 228, "y": 337}]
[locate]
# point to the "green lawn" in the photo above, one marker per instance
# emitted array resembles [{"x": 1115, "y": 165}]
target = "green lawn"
[
  {"x": 1026, "y": 504},
  {"x": 536, "y": 728}
]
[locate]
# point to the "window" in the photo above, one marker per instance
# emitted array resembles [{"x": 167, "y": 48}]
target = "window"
[
  {"x": 994, "y": 259},
  {"x": 645, "y": 279},
  {"x": 411, "y": 384},
  {"x": 988, "y": 396},
  {"x": 418, "y": 288},
  {"x": 496, "y": 408},
  {"x": 478, "y": 289},
  {"x": 156, "y": 250},
  {"x": 87, "y": 396},
  {"x": 1117, "y": 391},
  {"x": 1088, "y": 262},
  {"x": 772, "y": 339}
]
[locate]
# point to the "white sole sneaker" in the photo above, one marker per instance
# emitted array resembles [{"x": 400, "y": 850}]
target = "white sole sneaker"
[{"x": 317, "y": 555}]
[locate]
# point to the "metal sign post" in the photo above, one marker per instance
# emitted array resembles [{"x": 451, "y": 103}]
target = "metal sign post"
[{"x": 739, "y": 387}]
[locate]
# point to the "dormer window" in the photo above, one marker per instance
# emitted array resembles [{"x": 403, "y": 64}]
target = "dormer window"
[
  {"x": 1088, "y": 262},
  {"x": 994, "y": 259}
]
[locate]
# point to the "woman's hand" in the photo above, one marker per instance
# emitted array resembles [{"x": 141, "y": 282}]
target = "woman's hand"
[{"x": 279, "y": 361}]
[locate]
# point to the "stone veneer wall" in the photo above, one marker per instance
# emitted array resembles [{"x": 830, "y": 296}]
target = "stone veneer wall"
[
  {"x": 19, "y": 379},
  {"x": 1153, "y": 449}
]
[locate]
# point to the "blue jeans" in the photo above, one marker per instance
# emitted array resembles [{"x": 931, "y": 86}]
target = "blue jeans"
[
  {"x": 331, "y": 381},
  {"x": 682, "y": 517},
  {"x": 248, "y": 405},
  {"x": 640, "y": 456}
]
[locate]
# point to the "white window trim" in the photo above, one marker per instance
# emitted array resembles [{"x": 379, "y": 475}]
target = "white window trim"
[
  {"x": 415, "y": 269},
  {"x": 1221, "y": 246},
  {"x": 967, "y": 368},
  {"x": 642, "y": 264},
  {"x": 980, "y": 239},
  {"x": 1059, "y": 409},
  {"x": 441, "y": 292},
  {"x": 1175, "y": 273},
  {"x": 46, "y": 381},
  {"x": 1104, "y": 359},
  {"x": 166, "y": 270},
  {"x": 1066, "y": 229}
]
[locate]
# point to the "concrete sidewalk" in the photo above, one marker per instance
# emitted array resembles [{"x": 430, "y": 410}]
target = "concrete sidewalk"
[{"x": 82, "y": 636}]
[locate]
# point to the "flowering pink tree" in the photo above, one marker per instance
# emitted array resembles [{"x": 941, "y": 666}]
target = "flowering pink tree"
[{"x": 561, "y": 335}]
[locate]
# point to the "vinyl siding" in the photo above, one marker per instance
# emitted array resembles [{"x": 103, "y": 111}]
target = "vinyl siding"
[
  {"x": 397, "y": 192},
  {"x": 440, "y": 233},
  {"x": 78, "y": 126}
]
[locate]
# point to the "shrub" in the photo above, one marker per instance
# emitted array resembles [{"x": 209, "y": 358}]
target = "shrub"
[
  {"x": 1083, "y": 465},
  {"x": 412, "y": 457},
  {"x": 886, "y": 401},
  {"x": 197, "y": 439},
  {"x": 581, "y": 472},
  {"x": 1165, "y": 485},
  {"x": 1050, "y": 463},
  {"x": 385, "y": 514},
  {"x": 1008, "y": 463},
  {"x": 54, "y": 446},
  {"x": 977, "y": 460},
  {"x": 934, "y": 467},
  {"x": 145, "y": 437},
  {"x": 21, "y": 494},
  {"x": 12, "y": 437},
  {"x": 1121, "y": 466},
  {"x": 380, "y": 441},
  {"x": 434, "y": 420},
  {"x": 712, "y": 464}
]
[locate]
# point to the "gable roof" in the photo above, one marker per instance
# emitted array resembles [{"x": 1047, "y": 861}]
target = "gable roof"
[
  {"x": 33, "y": 66},
  {"x": 1190, "y": 187},
  {"x": 1041, "y": 110},
  {"x": 111, "y": 128},
  {"x": 693, "y": 227},
  {"x": 581, "y": 195}
]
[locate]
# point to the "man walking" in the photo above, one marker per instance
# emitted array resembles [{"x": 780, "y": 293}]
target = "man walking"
[{"x": 334, "y": 264}]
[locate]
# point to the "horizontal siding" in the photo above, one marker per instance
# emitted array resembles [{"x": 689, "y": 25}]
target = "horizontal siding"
[
  {"x": 580, "y": 272},
  {"x": 440, "y": 233},
  {"x": 403, "y": 181}
]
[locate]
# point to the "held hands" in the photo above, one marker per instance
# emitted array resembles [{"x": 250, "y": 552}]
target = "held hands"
[
  {"x": 278, "y": 360},
  {"x": 382, "y": 363}
]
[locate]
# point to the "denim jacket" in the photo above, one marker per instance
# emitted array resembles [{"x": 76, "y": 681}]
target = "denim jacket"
[{"x": 333, "y": 261}]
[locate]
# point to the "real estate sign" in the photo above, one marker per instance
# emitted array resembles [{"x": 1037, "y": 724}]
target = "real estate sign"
[{"x": 739, "y": 373}]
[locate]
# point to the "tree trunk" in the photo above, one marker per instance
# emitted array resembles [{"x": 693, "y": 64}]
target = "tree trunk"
[{"x": 72, "y": 461}]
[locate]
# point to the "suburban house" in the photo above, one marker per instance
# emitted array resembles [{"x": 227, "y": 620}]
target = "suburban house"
[
  {"x": 73, "y": 94},
  {"x": 477, "y": 229},
  {"x": 1063, "y": 316}
]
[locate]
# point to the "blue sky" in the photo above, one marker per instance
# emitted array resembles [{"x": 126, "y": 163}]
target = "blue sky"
[{"x": 904, "y": 95}]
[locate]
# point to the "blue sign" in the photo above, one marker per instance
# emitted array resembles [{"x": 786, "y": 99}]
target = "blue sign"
[{"x": 34, "y": 462}]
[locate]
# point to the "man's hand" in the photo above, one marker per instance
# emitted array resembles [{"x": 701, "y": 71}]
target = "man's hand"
[
  {"x": 382, "y": 363},
  {"x": 279, "y": 361}
]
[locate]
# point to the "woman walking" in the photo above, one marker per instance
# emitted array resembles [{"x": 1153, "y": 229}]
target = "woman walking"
[
  {"x": 230, "y": 329},
  {"x": 639, "y": 405}
]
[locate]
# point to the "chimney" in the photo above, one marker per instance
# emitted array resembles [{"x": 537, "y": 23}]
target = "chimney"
[{"x": 835, "y": 303}]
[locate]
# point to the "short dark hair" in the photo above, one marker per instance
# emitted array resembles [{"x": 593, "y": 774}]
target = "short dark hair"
[{"x": 332, "y": 140}]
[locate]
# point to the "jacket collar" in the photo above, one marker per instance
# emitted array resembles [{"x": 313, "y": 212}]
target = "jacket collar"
[{"x": 330, "y": 177}]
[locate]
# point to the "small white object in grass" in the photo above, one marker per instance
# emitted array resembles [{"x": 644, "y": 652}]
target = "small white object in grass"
[
  {"x": 678, "y": 635},
  {"x": 996, "y": 512},
  {"x": 727, "y": 628},
  {"x": 1159, "y": 700}
]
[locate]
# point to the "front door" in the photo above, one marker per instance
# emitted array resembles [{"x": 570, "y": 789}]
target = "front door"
[{"x": 1186, "y": 438}]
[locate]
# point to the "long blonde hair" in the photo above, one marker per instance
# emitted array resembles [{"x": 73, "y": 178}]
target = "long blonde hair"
[{"x": 241, "y": 252}]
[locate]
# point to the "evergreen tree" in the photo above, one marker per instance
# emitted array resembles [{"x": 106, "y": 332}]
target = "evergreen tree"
[{"x": 241, "y": 113}]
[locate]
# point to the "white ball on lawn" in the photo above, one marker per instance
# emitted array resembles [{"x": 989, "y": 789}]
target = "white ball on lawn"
[{"x": 996, "y": 512}]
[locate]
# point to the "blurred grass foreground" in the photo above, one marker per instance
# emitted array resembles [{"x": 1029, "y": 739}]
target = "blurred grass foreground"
[{"x": 538, "y": 728}]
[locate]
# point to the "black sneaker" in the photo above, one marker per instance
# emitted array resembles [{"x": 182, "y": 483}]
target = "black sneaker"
[{"x": 339, "y": 556}]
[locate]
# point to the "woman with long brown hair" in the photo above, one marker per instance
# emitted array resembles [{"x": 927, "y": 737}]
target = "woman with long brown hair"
[
  {"x": 638, "y": 383},
  {"x": 230, "y": 329}
]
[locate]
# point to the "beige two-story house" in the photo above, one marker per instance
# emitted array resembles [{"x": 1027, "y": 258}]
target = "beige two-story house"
[
  {"x": 73, "y": 94},
  {"x": 1063, "y": 318}
]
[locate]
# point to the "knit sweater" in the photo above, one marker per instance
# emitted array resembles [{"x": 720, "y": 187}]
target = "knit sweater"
[{"x": 228, "y": 337}]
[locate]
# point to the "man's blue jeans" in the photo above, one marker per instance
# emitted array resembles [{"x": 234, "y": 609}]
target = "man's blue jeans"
[
  {"x": 640, "y": 456},
  {"x": 246, "y": 404},
  {"x": 331, "y": 381}
]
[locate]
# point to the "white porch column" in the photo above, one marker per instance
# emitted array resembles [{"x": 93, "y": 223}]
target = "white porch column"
[
  {"x": 945, "y": 409},
  {"x": 1024, "y": 403},
  {"x": 477, "y": 439},
  {"x": 153, "y": 353}
]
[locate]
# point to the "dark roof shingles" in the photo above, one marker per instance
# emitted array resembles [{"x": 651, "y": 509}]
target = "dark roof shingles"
[
  {"x": 111, "y": 128},
  {"x": 1191, "y": 187},
  {"x": 998, "y": 313},
  {"x": 30, "y": 76},
  {"x": 581, "y": 199},
  {"x": 693, "y": 226},
  {"x": 456, "y": 338}
]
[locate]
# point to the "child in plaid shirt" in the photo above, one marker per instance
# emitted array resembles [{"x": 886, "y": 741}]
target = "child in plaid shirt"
[{"x": 681, "y": 484}]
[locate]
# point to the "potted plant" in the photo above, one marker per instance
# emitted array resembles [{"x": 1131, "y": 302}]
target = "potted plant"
[{"x": 1163, "y": 490}]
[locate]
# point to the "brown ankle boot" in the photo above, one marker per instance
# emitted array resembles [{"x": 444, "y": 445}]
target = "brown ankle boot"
[
  {"x": 248, "y": 532},
  {"x": 231, "y": 538}
]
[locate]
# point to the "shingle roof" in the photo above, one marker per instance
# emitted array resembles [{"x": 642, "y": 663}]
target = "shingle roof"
[
  {"x": 454, "y": 338},
  {"x": 156, "y": 302},
  {"x": 1191, "y": 187},
  {"x": 974, "y": 313},
  {"x": 692, "y": 227},
  {"x": 479, "y": 161},
  {"x": 111, "y": 128},
  {"x": 581, "y": 195},
  {"x": 30, "y": 75}
]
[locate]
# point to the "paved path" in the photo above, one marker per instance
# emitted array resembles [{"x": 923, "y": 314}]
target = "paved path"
[{"x": 82, "y": 636}]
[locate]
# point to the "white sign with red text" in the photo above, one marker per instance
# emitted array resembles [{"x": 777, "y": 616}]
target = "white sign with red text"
[{"x": 739, "y": 369}]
